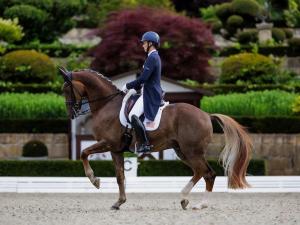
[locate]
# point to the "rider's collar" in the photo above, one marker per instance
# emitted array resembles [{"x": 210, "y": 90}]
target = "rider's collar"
[{"x": 154, "y": 50}]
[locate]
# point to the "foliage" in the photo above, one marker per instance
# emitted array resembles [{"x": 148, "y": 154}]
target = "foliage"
[
  {"x": 288, "y": 32},
  {"x": 32, "y": 106},
  {"x": 96, "y": 12},
  {"x": 35, "y": 148},
  {"x": 10, "y": 31},
  {"x": 184, "y": 44},
  {"x": 77, "y": 62},
  {"x": 246, "y": 7},
  {"x": 54, "y": 49},
  {"x": 294, "y": 42},
  {"x": 31, "y": 88},
  {"x": 31, "y": 19},
  {"x": 103, "y": 168},
  {"x": 292, "y": 15},
  {"x": 27, "y": 66},
  {"x": 278, "y": 34},
  {"x": 234, "y": 22},
  {"x": 296, "y": 106},
  {"x": 224, "y": 11},
  {"x": 248, "y": 68},
  {"x": 248, "y": 36},
  {"x": 257, "y": 104},
  {"x": 43, "y": 19}
]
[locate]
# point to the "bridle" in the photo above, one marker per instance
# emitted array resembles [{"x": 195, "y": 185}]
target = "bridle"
[{"x": 76, "y": 106}]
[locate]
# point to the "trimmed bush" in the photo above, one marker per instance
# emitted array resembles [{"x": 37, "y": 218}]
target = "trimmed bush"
[
  {"x": 278, "y": 34},
  {"x": 68, "y": 168},
  {"x": 246, "y": 7},
  {"x": 30, "y": 18},
  {"x": 10, "y": 31},
  {"x": 224, "y": 11},
  {"x": 259, "y": 103},
  {"x": 27, "y": 66},
  {"x": 184, "y": 44},
  {"x": 32, "y": 106},
  {"x": 234, "y": 21},
  {"x": 294, "y": 42},
  {"x": 296, "y": 106},
  {"x": 35, "y": 148},
  {"x": 246, "y": 37},
  {"x": 31, "y": 88},
  {"x": 288, "y": 33},
  {"x": 248, "y": 68}
]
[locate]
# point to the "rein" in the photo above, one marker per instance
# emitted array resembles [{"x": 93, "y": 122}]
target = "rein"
[{"x": 77, "y": 105}]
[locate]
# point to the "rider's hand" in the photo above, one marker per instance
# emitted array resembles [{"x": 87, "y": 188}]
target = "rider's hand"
[{"x": 124, "y": 88}]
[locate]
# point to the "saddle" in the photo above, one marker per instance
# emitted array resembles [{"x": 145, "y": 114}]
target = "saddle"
[{"x": 127, "y": 105}]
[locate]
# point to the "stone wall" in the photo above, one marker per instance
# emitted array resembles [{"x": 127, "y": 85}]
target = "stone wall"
[
  {"x": 11, "y": 145},
  {"x": 281, "y": 151}
]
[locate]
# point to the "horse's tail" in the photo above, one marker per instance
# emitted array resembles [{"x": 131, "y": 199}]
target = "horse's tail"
[{"x": 236, "y": 153}]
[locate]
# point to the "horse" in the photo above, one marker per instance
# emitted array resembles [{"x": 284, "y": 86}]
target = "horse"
[{"x": 183, "y": 127}]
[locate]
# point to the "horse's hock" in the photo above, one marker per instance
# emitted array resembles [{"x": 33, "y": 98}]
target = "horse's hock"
[{"x": 281, "y": 151}]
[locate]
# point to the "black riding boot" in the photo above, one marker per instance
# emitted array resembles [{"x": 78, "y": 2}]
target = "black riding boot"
[{"x": 141, "y": 134}]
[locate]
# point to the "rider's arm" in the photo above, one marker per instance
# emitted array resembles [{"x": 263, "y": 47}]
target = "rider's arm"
[{"x": 148, "y": 69}]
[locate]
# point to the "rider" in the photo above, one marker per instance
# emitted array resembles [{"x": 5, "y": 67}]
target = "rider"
[{"x": 151, "y": 97}]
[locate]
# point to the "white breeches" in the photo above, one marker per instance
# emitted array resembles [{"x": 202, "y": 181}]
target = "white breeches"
[{"x": 138, "y": 108}]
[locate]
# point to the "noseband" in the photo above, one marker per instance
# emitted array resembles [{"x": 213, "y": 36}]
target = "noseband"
[{"x": 77, "y": 106}]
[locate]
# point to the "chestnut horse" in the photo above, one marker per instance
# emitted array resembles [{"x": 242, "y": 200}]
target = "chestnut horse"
[{"x": 185, "y": 128}]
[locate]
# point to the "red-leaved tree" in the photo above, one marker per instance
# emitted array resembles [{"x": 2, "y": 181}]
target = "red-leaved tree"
[{"x": 184, "y": 44}]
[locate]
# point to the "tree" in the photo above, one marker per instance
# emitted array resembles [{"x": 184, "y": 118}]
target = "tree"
[{"x": 184, "y": 44}]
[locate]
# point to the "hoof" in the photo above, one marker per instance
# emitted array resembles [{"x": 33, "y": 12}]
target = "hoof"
[
  {"x": 115, "y": 207},
  {"x": 184, "y": 203},
  {"x": 97, "y": 183}
]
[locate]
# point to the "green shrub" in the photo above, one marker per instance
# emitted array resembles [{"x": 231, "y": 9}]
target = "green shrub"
[
  {"x": 234, "y": 21},
  {"x": 68, "y": 168},
  {"x": 246, "y": 7},
  {"x": 35, "y": 148},
  {"x": 10, "y": 31},
  {"x": 296, "y": 106},
  {"x": 32, "y": 106},
  {"x": 278, "y": 34},
  {"x": 288, "y": 33},
  {"x": 259, "y": 103},
  {"x": 41, "y": 4},
  {"x": 294, "y": 42},
  {"x": 246, "y": 37},
  {"x": 216, "y": 24},
  {"x": 30, "y": 18},
  {"x": 27, "y": 66},
  {"x": 224, "y": 11},
  {"x": 248, "y": 68}
]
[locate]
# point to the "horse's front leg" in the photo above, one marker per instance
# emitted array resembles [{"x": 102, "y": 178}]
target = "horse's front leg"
[
  {"x": 118, "y": 159},
  {"x": 99, "y": 147}
]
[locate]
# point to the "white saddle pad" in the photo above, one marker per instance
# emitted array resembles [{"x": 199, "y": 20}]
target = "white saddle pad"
[{"x": 123, "y": 119}]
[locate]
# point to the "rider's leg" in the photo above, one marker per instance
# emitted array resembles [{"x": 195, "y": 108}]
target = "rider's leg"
[{"x": 138, "y": 126}]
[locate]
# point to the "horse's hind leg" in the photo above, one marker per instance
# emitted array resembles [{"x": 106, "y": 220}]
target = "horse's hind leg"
[
  {"x": 209, "y": 177},
  {"x": 200, "y": 168}
]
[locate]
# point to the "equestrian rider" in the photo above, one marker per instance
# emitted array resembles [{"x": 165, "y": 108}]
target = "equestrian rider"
[{"x": 150, "y": 100}]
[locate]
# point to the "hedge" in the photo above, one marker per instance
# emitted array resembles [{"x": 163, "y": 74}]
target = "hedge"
[
  {"x": 290, "y": 51},
  {"x": 288, "y": 125},
  {"x": 54, "y": 49},
  {"x": 31, "y": 88},
  {"x": 242, "y": 88},
  {"x": 34, "y": 126},
  {"x": 68, "y": 168}
]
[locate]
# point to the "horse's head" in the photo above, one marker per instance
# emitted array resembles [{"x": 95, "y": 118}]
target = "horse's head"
[{"x": 75, "y": 94}]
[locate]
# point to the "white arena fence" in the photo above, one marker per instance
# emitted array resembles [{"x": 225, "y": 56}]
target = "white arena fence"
[{"x": 141, "y": 184}]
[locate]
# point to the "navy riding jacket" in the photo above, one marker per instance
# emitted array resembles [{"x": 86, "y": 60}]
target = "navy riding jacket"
[{"x": 150, "y": 78}]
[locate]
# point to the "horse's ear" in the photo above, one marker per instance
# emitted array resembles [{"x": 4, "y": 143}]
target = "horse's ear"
[{"x": 65, "y": 73}]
